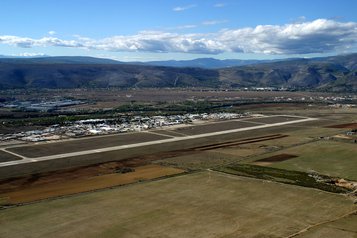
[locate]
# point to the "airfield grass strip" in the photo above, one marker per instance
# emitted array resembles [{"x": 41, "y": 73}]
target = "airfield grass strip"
[
  {"x": 303, "y": 179},
  {"x": 241, "y": 142}
]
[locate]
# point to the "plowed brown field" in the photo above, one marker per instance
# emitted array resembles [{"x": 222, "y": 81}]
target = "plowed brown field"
[
  {"x": 55, "y": 189},
  {"x": 348, "y": 125}
]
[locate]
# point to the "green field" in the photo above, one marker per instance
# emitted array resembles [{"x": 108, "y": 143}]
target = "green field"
[
  {"x": 206, "y": 204},
  {"x": 332, "y": 158}
]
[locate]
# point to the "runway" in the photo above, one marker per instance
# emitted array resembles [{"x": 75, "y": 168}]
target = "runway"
[{"x": 155, "y": 142}]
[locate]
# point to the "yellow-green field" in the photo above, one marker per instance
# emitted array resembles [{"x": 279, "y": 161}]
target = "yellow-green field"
[
  {"x": 327, "y": 157},
  {"x": 205, "y": 204}
]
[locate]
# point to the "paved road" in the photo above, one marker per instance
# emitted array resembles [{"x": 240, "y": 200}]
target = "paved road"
[{"x": 156, "y": 142}]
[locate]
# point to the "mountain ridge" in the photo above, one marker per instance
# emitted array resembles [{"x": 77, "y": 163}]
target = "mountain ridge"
[
  {"x": 334, "y": 73},
  {"x": 206, "y": 63}
]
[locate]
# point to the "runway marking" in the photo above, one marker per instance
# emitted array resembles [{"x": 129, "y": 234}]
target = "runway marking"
[
  {"x": 156, "y": 133},
  {"x": 178, "y": 133}
]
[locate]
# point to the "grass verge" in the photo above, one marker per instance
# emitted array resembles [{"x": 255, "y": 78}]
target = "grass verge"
[{"x": 321, "y": 182}]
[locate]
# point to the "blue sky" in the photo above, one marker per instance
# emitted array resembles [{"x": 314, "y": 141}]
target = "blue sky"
[{"x": 158, "y": 30}]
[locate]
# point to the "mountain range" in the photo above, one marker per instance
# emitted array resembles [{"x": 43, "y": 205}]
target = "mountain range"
[
  {"x": 207, "y": 63},
  {"x": 335, "y": 73}
]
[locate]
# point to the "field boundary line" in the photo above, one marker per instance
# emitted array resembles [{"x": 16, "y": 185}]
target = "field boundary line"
[{"x": 354, "y": 212}]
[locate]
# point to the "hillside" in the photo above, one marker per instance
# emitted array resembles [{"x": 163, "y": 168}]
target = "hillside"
[
  {"x": 18, "y": 75},
  {"x": 338, "y": 73}
]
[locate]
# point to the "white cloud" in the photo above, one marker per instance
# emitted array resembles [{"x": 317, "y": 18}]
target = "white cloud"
[
  {"x": 52, "y": 33},
  {"x": 26, "y": 42},
  {"x": 156, "y": 41},
  {"x": 319, "y": 36},
  {"x": 27, "y": 54},
  {"x": 183, "y": 8}
]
